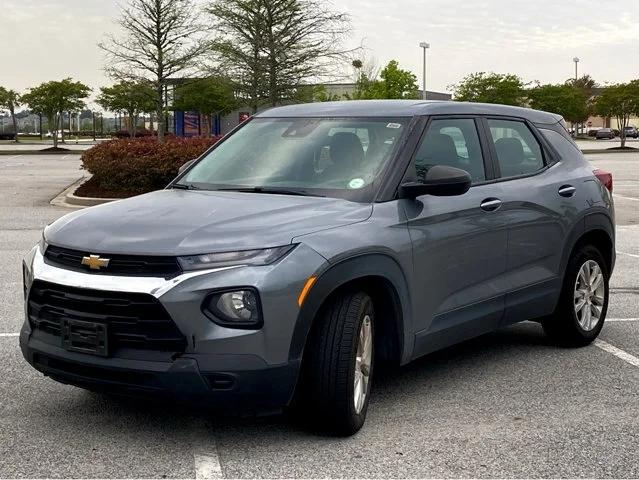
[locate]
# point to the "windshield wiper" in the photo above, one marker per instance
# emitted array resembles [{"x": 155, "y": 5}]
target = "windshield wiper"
[
  {"x": 277, "y": 190},
  {"x": 185, "y": 186}
]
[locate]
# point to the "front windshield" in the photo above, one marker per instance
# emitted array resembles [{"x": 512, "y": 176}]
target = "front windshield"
[{"x": 335, "y": 157}]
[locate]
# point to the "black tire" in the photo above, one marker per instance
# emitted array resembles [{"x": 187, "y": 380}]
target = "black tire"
[
  {"x": 563, "y": 325},
  {"x": 327, "y": 391}
]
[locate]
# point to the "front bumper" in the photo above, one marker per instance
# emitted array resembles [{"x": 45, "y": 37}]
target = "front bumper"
[
  {"x": 235, "y": 382},
  {"x": 219, "y": 366}
]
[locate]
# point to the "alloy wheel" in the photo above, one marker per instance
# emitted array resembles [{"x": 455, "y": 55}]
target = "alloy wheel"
[
  {"x": 590, "y": 295},
  {"x": 363, "y": 363}
]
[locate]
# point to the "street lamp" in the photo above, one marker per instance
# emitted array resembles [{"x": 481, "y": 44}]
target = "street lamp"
[
  {"x": 424, "y": 46},
  {"x": 576, "y": 60}
]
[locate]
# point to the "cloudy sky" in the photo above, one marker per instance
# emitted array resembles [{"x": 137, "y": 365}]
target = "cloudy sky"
[{"x": 42, "y": 40}]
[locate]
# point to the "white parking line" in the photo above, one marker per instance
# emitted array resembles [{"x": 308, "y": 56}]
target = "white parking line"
[
  {"x": 9, "y": 335},
  {"x": 617, "y": 352},
  {"x": 207, "y": 465},
  {"x": 626, "y": 198},
  {"x": 622, "y": 319},
  {"x": 627, "y": 254}
]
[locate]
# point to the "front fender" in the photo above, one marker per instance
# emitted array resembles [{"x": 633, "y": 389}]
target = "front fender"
[{"x": 347, "y": 270}]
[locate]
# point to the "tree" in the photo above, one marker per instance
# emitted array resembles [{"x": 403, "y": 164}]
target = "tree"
[
  {"x": 160, "y": 39},
  {"x": 208, "y": 96},
  {"x": 506, "y": 89},
  {"x": 52, "y": 99},
  {"x": 272, "y": 47},
  {"x": 585, "y": 83},
  {"x": 10, "y": 100},
  {"x": 128, "y": 97},
  {"x": 315, "y": 93},
  {"x": 566, "y": 100},
  {"x": 394, "y": 83},
  {"x": 620, "y": 101}
]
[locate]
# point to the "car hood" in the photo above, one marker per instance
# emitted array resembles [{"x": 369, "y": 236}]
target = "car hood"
[{"x": 179, "y": 222}]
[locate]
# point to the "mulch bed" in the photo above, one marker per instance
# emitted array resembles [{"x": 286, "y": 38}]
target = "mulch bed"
[
  {"x": 54, "y": 149},
  {"x": 624, "y": 148},
  {"x": 90, "y": 188}
]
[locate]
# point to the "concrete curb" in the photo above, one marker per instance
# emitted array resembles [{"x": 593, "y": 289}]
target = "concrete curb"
[
  {"x": 41, "y": 152},
  {"x": 594, "y": 151},
  {"x": 68, "y": 199}
]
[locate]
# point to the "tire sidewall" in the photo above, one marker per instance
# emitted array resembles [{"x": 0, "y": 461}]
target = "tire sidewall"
[{"x": 366, "y": 308}]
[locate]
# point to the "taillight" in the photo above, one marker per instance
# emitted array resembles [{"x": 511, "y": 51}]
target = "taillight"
[{"x": 605, "y": 178}]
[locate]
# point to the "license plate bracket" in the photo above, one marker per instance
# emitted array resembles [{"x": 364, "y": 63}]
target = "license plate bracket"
[{"x": 85, "y": 337}]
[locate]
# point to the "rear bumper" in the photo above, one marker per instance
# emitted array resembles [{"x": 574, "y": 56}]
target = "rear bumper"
[{"x": 228, "y": 381}]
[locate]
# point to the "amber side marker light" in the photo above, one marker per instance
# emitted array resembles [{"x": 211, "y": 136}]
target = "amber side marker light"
[{"x": 307, "y": 287}]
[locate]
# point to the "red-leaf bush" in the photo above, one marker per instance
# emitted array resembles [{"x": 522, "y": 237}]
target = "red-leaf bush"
[{"x": 123, "y": 167}]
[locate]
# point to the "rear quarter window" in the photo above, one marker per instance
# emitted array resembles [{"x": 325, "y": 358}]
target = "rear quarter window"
[{"x": 561, "y": 144}]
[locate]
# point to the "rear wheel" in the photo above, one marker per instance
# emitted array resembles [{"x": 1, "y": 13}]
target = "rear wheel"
[
  {"x": 339, "y": 365},
  {"x": 582, "y": 308}
]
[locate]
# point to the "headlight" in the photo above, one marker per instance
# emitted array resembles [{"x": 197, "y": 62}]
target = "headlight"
[
  {"x": 263, "y": 256},
  {"x": 234, "y": 308}
]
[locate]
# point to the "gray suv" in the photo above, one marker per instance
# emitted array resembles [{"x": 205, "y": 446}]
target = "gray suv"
[{"x": 317, "y": 243}]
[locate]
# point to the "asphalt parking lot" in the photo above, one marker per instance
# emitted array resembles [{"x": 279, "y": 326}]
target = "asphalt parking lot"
[{"x": 507, "y": 404}]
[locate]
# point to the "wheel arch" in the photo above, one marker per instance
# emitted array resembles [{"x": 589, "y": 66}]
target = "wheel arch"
[
  {"x": 596, "y": 229},
  {"x": 383, "y": 279}
]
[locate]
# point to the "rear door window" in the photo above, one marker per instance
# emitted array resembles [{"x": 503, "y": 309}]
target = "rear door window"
[{"x": 518, "y": 151}]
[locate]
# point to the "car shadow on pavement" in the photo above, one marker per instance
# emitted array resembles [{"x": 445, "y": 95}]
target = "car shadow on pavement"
[{"x": 443, "y": 373}]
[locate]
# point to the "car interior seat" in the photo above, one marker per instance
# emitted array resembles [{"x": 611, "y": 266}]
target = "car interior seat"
[{"x": 510, "y": 153}]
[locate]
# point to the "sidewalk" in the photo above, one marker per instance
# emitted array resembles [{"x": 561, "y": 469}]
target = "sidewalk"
[
  {"x": 24, "y": 147},
  {"x": 605, "y": 144}
]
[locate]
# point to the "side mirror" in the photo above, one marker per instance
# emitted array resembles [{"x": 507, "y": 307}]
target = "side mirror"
[
  {"x": 186, "y": 165},
  {"x": 441, "y": 181}
]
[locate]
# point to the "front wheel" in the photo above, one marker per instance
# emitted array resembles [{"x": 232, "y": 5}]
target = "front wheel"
[
  {"x": 338, "y": 369},
  {"x": 583, "y": 304}
]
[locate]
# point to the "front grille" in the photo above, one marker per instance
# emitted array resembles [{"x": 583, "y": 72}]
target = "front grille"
[
  {"x": 133, "y": 265},
  {"x": 134, "y": 320}
]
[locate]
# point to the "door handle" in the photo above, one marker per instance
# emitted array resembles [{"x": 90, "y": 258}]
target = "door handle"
[
  {"x": 490, "y": 204},
  {"x": 567, "y": 190}
]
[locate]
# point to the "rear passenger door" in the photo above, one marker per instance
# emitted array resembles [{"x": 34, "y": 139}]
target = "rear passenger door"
[
  {"x": 534, "y": 209},
  {"x": 458, "y": 242}
]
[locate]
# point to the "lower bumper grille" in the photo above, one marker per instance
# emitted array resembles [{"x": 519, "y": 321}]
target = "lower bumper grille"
[{"x": 133, "y": 320}]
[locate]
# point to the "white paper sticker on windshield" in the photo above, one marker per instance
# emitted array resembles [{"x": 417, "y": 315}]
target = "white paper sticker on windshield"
[
  {"x": 394, "y": 125},
  {"x": 356, "y": 183}
]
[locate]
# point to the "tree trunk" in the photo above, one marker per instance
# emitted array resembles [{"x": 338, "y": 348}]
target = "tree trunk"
[
  {"x": 159, "y": 107},
  {"x": 15, "y": 124},
  {"x": 131, "y": 125},
  {"x": 54, "y": 121},
  {"x": 272, "y": 82}
]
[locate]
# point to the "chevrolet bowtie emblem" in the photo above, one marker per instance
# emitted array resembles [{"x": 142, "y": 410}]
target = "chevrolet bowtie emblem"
[{"x": 94, "y": 262}]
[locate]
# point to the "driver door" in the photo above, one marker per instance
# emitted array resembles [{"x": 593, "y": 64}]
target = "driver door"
[{"x": 459, "y": 242}]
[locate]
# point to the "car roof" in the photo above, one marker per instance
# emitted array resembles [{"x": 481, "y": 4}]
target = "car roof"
[{"x": 405, "y": 108}]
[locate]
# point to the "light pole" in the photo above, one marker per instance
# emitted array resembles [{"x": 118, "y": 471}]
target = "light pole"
[
  {"x": 424, "y": 46},
  {"x": 576, "y": 60}
]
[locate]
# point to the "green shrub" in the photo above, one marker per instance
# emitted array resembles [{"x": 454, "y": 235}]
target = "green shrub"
[{"x": 140, "y": 165}]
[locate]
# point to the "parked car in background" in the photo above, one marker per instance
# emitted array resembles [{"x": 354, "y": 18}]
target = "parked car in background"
[
  {"x": 631, "y": 132},
  {"x": 605, "y": 134},
  {"x": 288, "y": 263}
]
